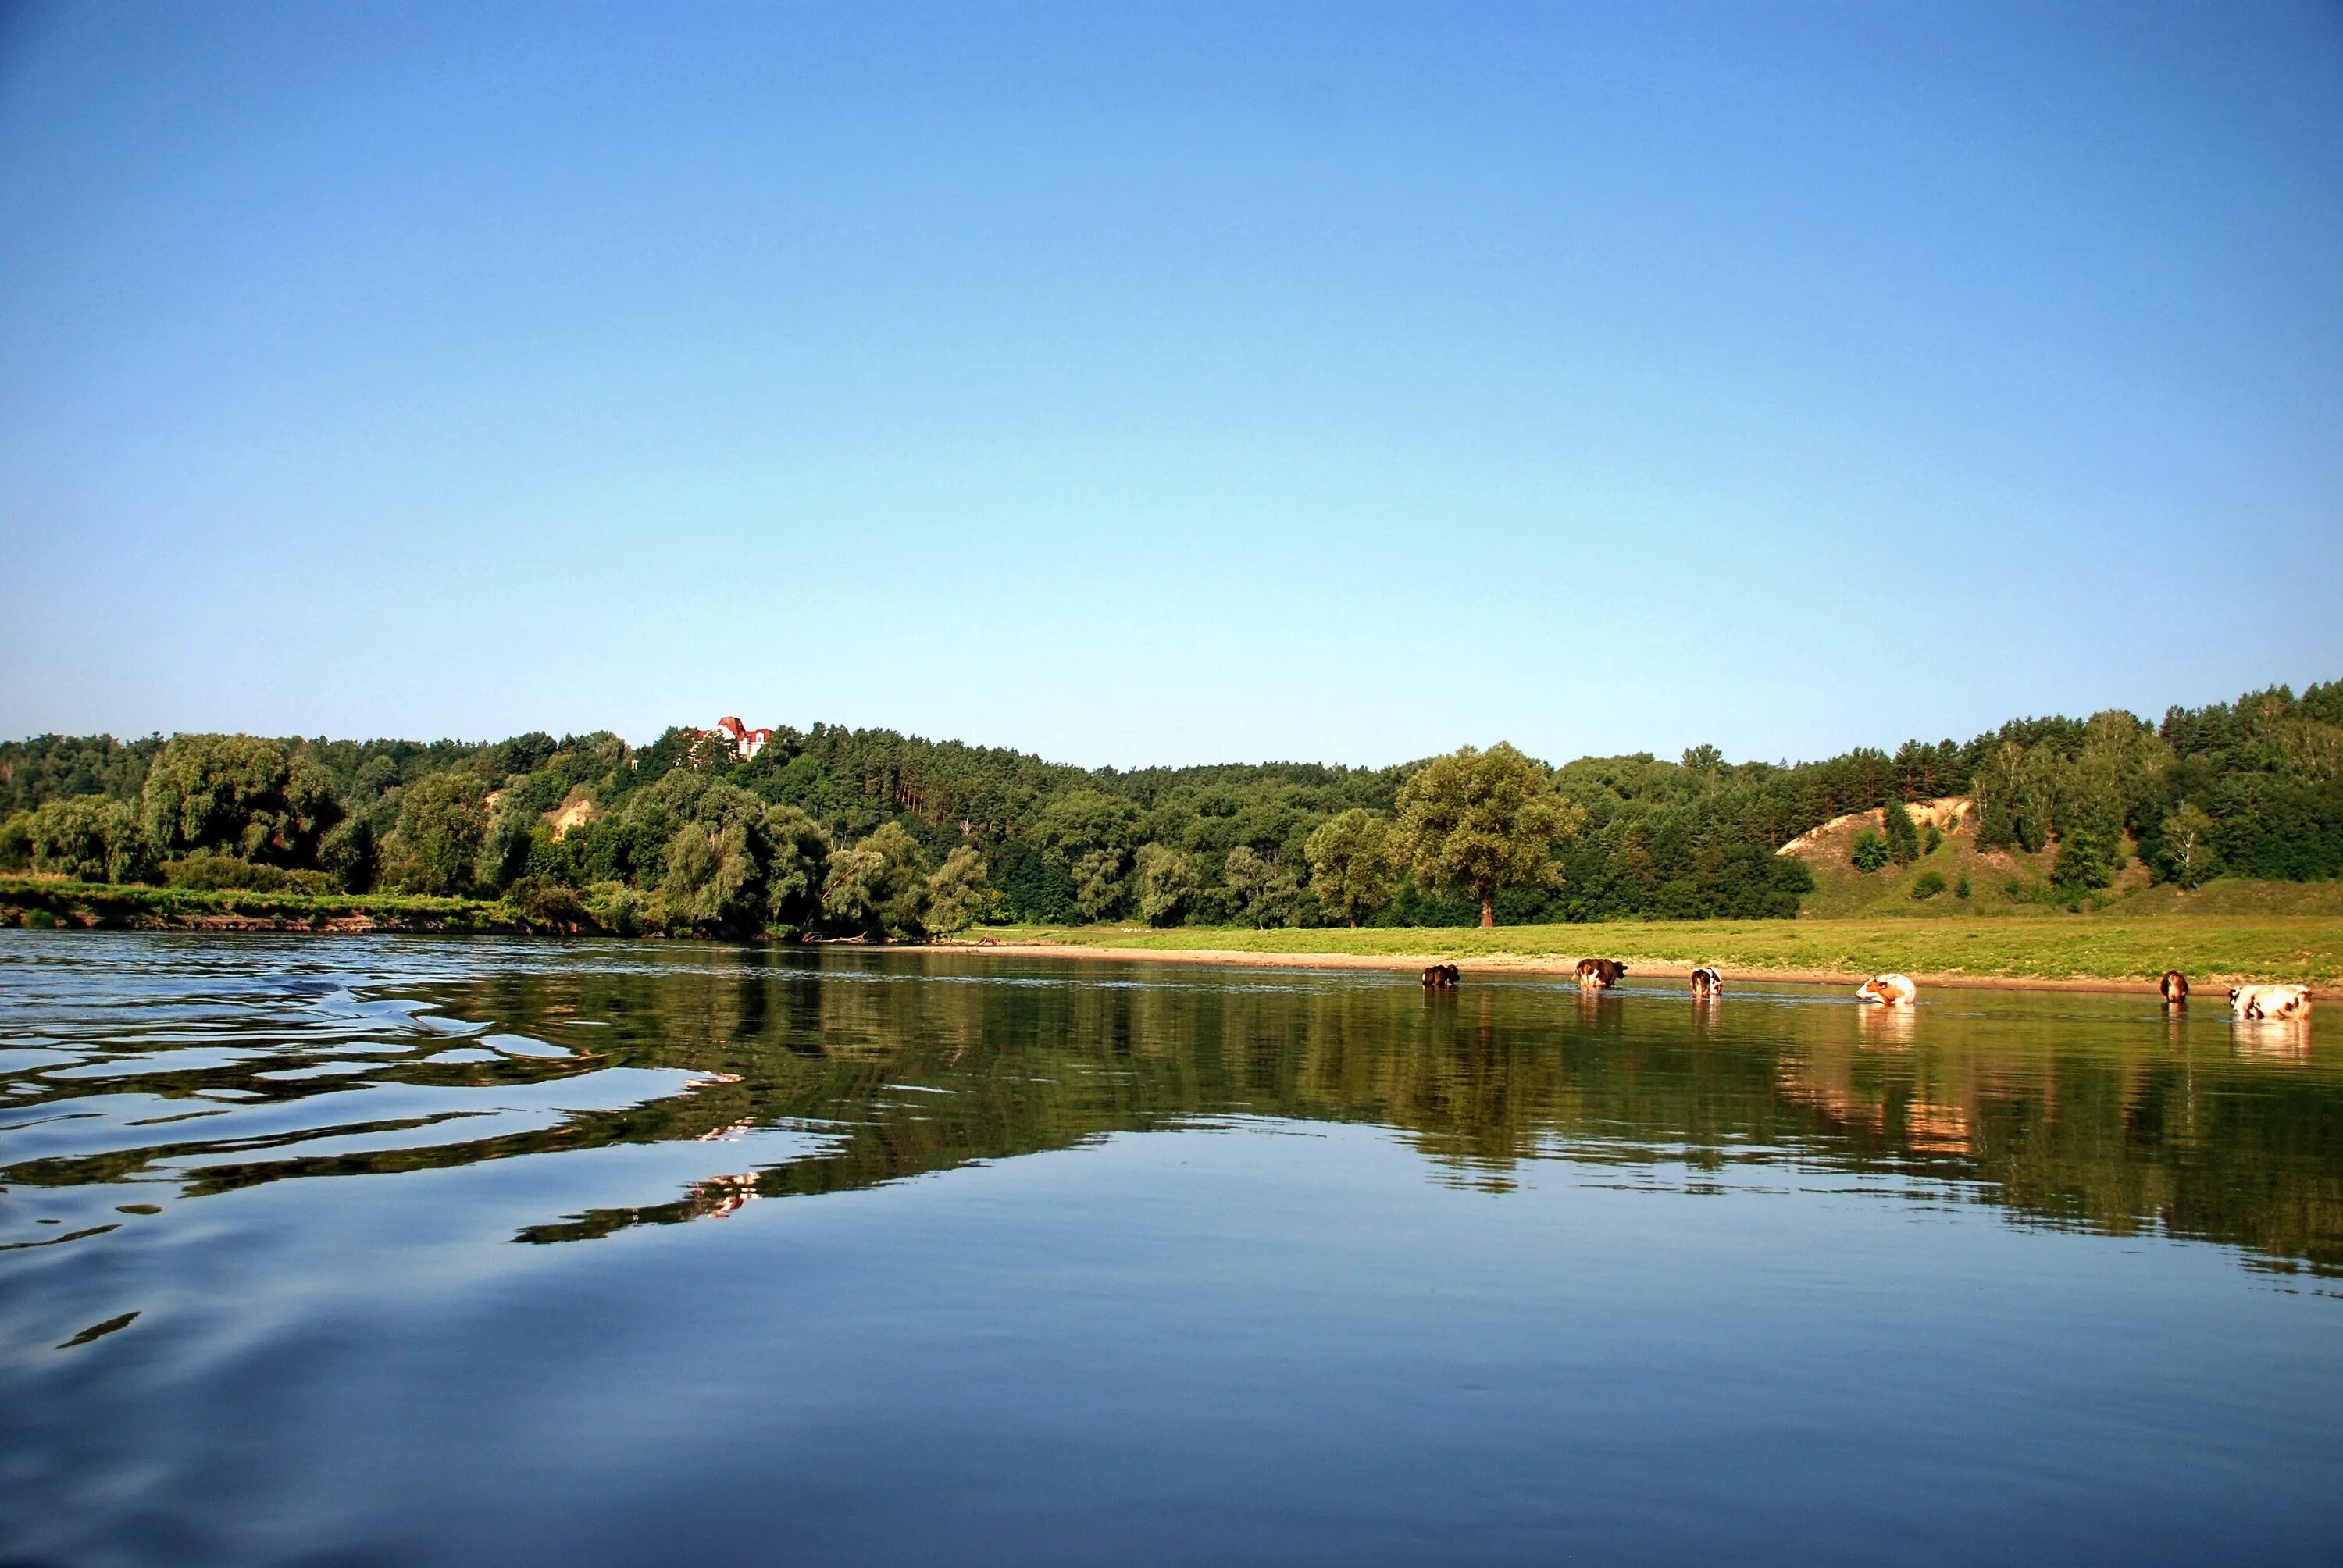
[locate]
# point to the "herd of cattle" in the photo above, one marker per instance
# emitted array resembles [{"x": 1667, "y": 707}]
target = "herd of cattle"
[{"x": 2248, "y": 1002}]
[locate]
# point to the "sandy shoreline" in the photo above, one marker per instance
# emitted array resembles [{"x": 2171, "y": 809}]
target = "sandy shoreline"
[{"x": 1413, "y": 964}]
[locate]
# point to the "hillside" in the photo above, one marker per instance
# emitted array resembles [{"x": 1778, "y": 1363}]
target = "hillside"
[{"x": 2009, "y": 880}]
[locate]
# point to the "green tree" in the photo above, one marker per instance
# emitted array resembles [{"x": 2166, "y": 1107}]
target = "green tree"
[
  {"x": 504, "y": 847},
  {"x": 1096, "y": 833},
  {"x": 1350, "y": 864},
  {"x": 721, "y": 859},
  {"x": 17, "y": 843},
  {"x": 712, "y": 881},
  {"x": 1902, "y": 838},
  {"x": 348, "y": 853},
  {"x": 957, "y": 894},
  {"x": 1478, "y": 821},
  {"x": 2086, "y": 860},
  {"x": 880, "y": 885},
  {"x": 1248, "y": 874},
  {"x": 442, "y": 819},
  {"x": 2188, "y": 855},
  {"x": 237, "y": 795},
  {"x": 798, "y": 861},
  {"x": 1168, "y": 884},
  {"x": 88, "y": 839}
]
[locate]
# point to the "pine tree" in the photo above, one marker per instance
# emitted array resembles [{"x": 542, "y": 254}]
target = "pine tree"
[{"x": 1902, "y": 838}]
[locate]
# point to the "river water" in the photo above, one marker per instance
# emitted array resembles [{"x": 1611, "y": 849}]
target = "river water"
[{"x": 407, "y": 1249}]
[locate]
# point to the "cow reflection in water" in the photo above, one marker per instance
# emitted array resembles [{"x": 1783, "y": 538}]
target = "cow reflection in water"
[
  {"x": 2286, "y": 1039},
  {"x": 1889, "y": 1028}
]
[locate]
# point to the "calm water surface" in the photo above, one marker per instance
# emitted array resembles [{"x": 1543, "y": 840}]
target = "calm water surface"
[{"x": 403, "y": 1250}]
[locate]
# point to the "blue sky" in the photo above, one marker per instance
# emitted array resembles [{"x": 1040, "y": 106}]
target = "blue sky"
[{"x": 1165, "y": 384}]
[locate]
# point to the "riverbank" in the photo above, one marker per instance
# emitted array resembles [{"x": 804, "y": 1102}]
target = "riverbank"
[
  {"x": 2054, "y": 951},
  {"x": 2077, "y": 953},
  {"x": 31, "y": 901}
]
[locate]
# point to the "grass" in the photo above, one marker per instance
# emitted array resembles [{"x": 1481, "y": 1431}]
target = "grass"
[
  {"x": 2302, "y": 948},
  {"x": 24, "y": 899},
  {"x": 2225, "y": 934}
]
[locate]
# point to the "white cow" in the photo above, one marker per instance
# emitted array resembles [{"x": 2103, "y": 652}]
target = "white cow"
[
  {"x": 2270, "y": 1001},
  {"x": 1891, "y": 991}
]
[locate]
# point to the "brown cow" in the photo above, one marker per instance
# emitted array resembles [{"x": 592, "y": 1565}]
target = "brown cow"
[
  {"x": 1599, "y": 974},
  {"x": 2175, "y": 987},
  {"x": 1441, "y": 977}
]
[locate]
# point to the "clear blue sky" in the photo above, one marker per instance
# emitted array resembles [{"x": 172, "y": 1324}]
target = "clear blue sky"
[{"x": 1182, "y": 383}]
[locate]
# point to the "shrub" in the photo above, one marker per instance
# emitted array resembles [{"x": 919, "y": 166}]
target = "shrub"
[
  {"x": 1870, "y": 851},
  {"x": 1929, "y": 886},
  {"x": 1961, "y": 889},
  {"x": 1934, "y": 839},
  {"x": 551, "y": 905},
  {"x": 617, "y": 907},
  {"x": 209, "y": 873}
]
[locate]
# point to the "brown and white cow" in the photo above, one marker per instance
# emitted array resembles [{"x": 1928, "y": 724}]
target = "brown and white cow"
[
  {"x": 1707, "y": 980},
  {"x": 1599, "y": 974},
  {"x": 1441, "y": 977},
  {"x": 2175, "y": 987},
  {"x": 1889, "y": 991},
  {"x": 2270, "y": 1001}
]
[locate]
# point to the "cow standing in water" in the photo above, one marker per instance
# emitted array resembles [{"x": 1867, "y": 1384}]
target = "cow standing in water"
[
  {"x": 2175, "y": 987},
  {"x": 1441, "y": 977},
  {"x": 1889, "y": 991},
  {"x": 2270, "y": 1001},
  {"x": 1599, "y": 974},
  {"x": 1707, "y": 980}
]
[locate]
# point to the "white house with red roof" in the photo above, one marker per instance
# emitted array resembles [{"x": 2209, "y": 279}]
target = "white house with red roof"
[{"x": 744, "y": 742}]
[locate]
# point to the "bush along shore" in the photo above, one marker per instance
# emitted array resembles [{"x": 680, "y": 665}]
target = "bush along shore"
[
  {"x": 841, "y": 833},
  {"x": 48, "y": 905}
]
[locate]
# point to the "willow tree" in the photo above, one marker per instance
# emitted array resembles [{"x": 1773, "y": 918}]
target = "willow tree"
[
  {"x": 1349, "y": 863},
  {"x": 957, "y": 893},
  {"x": 1481, "y": 821}
]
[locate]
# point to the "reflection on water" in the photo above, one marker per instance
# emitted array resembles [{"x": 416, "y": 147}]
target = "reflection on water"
[
  {"x": 155, "y": 1070},
  {"x": 371, "y": 1088}
]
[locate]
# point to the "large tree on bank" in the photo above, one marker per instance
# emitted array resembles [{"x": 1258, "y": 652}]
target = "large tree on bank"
[
  {"x": 1478, "y": 821},
  {"x": 1349, "y": 863}
]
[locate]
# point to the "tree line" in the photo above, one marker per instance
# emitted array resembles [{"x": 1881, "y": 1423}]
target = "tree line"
[{"x": 843, "y": 830}]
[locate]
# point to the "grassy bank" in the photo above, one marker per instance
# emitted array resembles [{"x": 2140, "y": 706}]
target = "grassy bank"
[
  {"x": 32, "y": 902},
  {"x": 2306, "y": 948},
  {"x": 2210, "y": 946}
]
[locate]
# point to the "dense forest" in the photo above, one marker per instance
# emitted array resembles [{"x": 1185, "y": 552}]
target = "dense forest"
[{"x": 865, "y": 831}]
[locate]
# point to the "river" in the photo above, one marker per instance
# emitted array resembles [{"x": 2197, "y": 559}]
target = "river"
[{"x": 398, "y": 1249}]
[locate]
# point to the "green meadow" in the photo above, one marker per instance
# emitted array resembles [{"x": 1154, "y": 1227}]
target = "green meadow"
[{"x": 2297, "y": 949}]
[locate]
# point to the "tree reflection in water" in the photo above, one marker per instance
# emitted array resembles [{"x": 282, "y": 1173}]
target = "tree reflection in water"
[{"x": 2108, "y": 1113}]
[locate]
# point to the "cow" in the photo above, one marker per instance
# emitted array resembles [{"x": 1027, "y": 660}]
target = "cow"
[
  {"x": 1888, "y": 990},
  {"x": 1599, "y": 974},
  {"x": 1707, "y": 980},
  {"x": 1441, "y": 977},
  {"x": 2175, "y": 987},
  {"x": 2270, "y": 1001}
]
